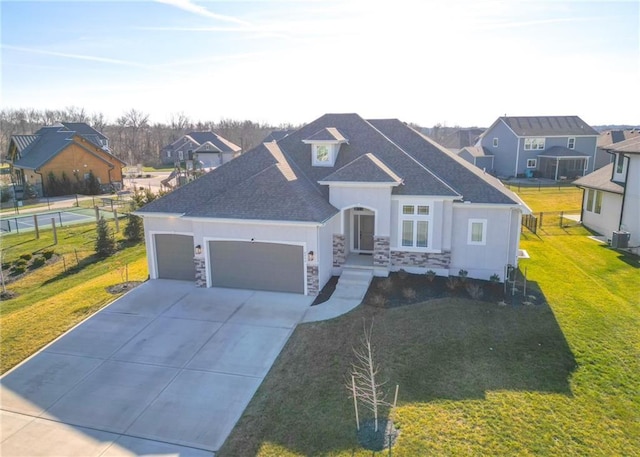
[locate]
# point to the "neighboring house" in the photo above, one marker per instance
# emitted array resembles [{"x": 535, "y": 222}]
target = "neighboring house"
[
  {"x": 209, "y": 148},
  {"x": 288, "y": 215},
  {"x": 608, "y": 138},
  {"x": 611, "y": 198},
  {"x": 478, "y": 156},
  {"x": 552, "y": 147},
  {"x": 72, "y": 149}
]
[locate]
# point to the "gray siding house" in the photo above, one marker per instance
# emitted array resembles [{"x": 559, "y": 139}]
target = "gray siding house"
[
  {"x": 339, "y": 193},
  {"x": 209, "y": 148},
  {"x": 552, "y": 147}
]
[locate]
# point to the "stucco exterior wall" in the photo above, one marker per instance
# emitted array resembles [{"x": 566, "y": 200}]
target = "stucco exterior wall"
[
  {"x": 607, "y": 221},
  {"x": 377, "y": 199},
  {"x": 631, "y": 210},
  {"x": 501, "y": 242}
]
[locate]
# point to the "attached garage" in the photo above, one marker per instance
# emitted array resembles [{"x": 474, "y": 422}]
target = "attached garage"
[
  {"x": 174, "y": 257},
  {"x": 260, "y": 266}
]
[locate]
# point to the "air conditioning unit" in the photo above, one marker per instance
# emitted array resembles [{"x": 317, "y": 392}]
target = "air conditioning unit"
[{"x": 620, "y": 239}]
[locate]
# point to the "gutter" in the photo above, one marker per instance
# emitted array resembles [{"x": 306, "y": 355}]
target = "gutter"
[{"x": 624, "y": 192}]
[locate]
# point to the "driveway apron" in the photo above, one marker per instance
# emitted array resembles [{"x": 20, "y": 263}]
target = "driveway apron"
[{"x": 166, "y": 369}]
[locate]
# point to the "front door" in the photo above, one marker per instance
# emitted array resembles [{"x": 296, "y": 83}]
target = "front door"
[{"x": 363, "y": 229}]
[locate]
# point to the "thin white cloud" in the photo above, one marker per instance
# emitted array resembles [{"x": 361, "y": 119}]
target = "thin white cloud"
[
  {"x": 188, "y": 5},
  {"x": 74, "y": 56}
]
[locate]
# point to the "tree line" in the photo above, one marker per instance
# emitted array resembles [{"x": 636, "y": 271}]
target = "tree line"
[{"x": 133, "y": 138}]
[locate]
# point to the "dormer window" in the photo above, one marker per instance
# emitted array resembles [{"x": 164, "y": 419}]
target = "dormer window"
[
  {"x": 325, "y": 145},
  {"x": 322, "y": 153}
]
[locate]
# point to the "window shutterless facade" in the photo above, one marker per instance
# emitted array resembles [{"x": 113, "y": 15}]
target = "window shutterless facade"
[
  {"x": 414, "y": 225},
  {"x": 571, "y": 143},
  {"x": 477, "y": 232},
  {"x": 533, "y": 144},
  {"x": 532, "y": 163}
]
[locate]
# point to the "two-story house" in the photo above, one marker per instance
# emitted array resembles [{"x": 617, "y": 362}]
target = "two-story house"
[
  {"x": 611, "y": 198},
  {"x": 209, "y": 148},
  {"x": 552, "y": 147},
  {"x": 340, "y": 192}
]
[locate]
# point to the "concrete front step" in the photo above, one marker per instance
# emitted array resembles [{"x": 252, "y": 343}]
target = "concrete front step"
[{"x": 353, "y": 283}]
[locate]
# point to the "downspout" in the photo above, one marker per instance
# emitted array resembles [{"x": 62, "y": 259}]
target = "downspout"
[
  {"x": 510, "y": 236},
  {"x": 515, "y": 173},
  {"x": 624, "y": 192},
  {"x": 557, "y": 168},
  {"x": 42, "y": 180},
  {"x": 582, "y": 205}
]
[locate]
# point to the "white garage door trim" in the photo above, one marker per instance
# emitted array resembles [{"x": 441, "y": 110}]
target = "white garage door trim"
[
  {"x": 153, "y": 264},
  {"x": 209, "y": 267}
]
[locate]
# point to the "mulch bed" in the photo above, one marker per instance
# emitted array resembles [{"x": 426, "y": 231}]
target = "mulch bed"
[
  {"x": 123, "y": 287},
  {"x": 379, "y": 440},
  {"x": 402, "y": 288}
]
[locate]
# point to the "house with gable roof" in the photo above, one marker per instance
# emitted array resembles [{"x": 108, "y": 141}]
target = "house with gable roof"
[
  {"x": 551, "y": 147},
  {"x": 611, "y": 196},
  {"x": 339, "y": 193},
  {"x": 71, "y": 149},
  {"x": 210, "y": 149}
]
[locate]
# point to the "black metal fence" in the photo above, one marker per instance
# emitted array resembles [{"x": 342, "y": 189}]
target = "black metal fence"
[{"x": 548, "y": 219}]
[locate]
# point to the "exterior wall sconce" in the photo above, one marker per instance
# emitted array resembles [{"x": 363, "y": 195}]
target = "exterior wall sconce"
[
  {"x": 198, "y": 250},
  {"x": 311, "y": 256}
]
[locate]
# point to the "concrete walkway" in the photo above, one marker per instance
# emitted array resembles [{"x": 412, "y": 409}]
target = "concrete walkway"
[
  {"x": 350, "y": 290},
  {"x": 167, "y": 369}
]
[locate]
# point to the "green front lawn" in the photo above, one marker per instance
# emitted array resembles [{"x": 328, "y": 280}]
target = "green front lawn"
[
  {"x": 475, "y": 378},
  {"x": 49, "y": 300}
]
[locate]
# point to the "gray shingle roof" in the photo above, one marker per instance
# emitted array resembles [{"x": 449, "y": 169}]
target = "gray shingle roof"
[
  {"x": 601, "y": 180},
  {"x": 221, "y": 143},
  {"x": 630, "y": 146},
  {"x": 277, "y": 181},
  {"x": 476, "y": 151},
  {"x": 548, "y": 125},
  {"x": 327, "y": 134},
  {"x": 46, "y": 143},
  {"x": 366, "y": 168}
]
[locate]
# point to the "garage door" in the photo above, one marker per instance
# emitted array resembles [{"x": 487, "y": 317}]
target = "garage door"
[
  {"x": 174, "y": 257},
  {"x": 260, "y": 266}
]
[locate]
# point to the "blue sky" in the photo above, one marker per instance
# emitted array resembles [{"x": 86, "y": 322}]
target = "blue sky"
[{"x": 454, "y": 62}]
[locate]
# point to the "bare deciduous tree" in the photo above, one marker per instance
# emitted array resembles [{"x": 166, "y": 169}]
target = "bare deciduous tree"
[{"x": 364, "y": 372}]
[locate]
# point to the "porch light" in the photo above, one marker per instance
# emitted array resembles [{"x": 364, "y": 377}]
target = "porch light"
[
  {"x": 198, "y": 250},
  {"x": 311, "y": 256}
]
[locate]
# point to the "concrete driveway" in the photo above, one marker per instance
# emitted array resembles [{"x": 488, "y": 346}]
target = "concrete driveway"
[{"x": 167, "y": 369}]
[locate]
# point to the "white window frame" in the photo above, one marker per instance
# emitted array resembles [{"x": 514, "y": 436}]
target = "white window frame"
[
  {"x": 331, "y": 158},
  {"x": 571, "y": 142},
  {"x": 470, "y": 240},
  {"x": 534, "y": 144},
  {"x": 415, "y": 219},
  {"x": 594, "y": 201},
  {"x": 532, "y": 163},
  {"x": 495, "y": 142},
  {"x": 180, "y": 155}
]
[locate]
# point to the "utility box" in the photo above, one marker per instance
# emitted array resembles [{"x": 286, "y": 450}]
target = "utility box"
[{"x": 620, "y": 239}]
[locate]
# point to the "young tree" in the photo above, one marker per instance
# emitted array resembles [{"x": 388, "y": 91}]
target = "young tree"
[
  {"x": 105, "y": 244},
  {"x": 134, "y": 231},
  {"x": 363, "y": 382}
]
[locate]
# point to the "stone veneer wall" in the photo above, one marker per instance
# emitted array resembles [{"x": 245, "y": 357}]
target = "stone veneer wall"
[
  {"x": 313, "y": 281},
  {"x": 339, "y": 253},
  {"x": 420, "y": 259},
  {"x": 381, "y": 246},
  {"x": 201, "y": 271}
]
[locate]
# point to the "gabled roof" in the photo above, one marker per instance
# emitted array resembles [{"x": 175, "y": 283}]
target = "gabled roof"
[
  {"x": 615, "y": 136},
  {"x": 207, "y": 146},
  {"x": 221, "y": 143},
  {"x": 45, "y": 145},
  {"x": 630, "y": 146},
  {"x": 277, "y": 180},
  {"x": 476, "y": 151},
  {"x": 329, "y": 134},
  {"x": 601, "y": 180},
  {"x": 83, "y": 129},
  {"x": 22, "y": 141},
  {"x": 547, "y": 125},
  {"x": 277, "y": 135},
  {"x": 366, "y": 168}
]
